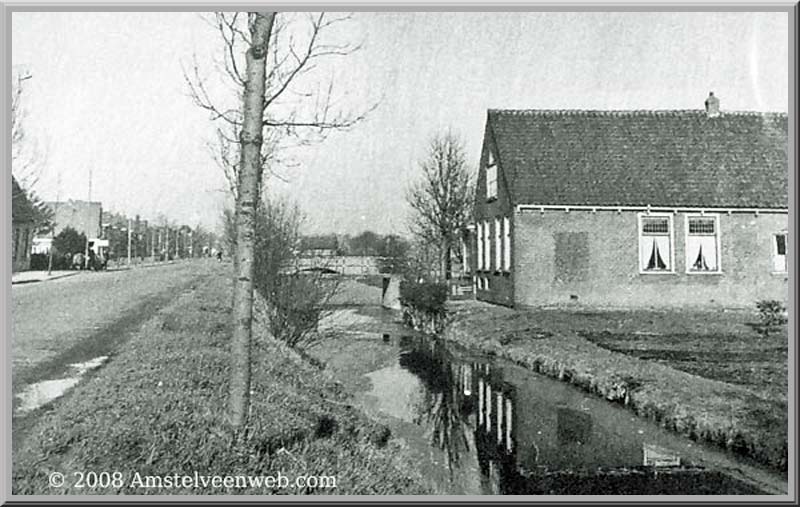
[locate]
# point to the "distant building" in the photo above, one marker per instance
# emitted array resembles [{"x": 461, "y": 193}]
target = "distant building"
[
  {"x": 23, "y": 225},
  {"x": 83, "y": 216},
  {"x": 632, "y": 208}
]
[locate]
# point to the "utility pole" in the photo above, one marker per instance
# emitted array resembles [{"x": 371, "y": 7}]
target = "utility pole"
[
  {"x": 89, "y": 201},
  {"x": 153, "y": 246},
  {"x": 129, "y": 242}
]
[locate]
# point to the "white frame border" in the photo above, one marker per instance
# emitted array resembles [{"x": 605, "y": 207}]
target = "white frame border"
[
  {"x": 774, "y": 249},
  {"x": 671, "y": 270},
  {"x": 717, "y": 236}
]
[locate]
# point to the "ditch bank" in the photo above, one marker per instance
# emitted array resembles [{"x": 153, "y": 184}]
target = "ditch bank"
[
  {"x": 740, "y": 420},
  {"x": 157, "y": 409}
]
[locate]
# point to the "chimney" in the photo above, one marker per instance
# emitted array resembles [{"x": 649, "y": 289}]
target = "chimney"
[{"x": 712, "y": 105}]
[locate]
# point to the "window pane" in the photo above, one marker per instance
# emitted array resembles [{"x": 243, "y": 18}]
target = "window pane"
[
  {"x": 779, "y": 260},
  {"x": 479, "y": 231},
  {"x": 491, "y": 181},
  {"x": 655, "y": 253},
  {"x": 506, "y": 244},
  {"x": 701, "y": 253},
  {"x": 655, "y": 226},
  {"x": 487, "y": 247},
  {"x": 702, "y": 226},
  {"x": 780, "y": 240},
  {"x": 497, "y": 245}
]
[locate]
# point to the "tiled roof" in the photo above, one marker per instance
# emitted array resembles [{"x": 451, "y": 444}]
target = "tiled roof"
[
  {"x": 22, "y": 211},
  {"x": 640, "y": 158}
]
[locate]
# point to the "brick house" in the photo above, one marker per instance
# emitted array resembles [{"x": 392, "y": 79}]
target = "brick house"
[
  {"x": 23, "y": 226},
  {"x": 632, "y": 208}
]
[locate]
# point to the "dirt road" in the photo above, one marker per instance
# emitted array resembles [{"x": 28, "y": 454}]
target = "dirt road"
[{"x": 63, "y": 321}]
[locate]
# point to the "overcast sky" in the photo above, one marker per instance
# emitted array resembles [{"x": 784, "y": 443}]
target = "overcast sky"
[{"x": 108, "y": 94}]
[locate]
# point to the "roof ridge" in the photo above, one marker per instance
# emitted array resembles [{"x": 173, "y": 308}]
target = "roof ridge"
[{"x": 629, "y": 112}]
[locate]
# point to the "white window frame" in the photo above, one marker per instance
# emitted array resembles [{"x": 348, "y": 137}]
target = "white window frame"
[
  {"x": 718, "y": 243},
  {"x": 498, "y": 246},
  {"x": 491, "y": 177},
  {"x": 640, "y": 235},
  {"x": 487, "y": 247},
  {"x": 506, "y": 244},
  {"x": 776, "y": 255},
  {"x": 479, "y": 229}
]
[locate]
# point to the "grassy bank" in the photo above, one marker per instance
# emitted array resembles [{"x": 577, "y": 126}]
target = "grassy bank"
[
  {"x": 157, "y": 409},
  {"x": 751, "y": 421}
]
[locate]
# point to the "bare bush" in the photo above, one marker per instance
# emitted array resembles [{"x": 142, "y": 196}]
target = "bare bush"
[{"x": 295, "y": 302}]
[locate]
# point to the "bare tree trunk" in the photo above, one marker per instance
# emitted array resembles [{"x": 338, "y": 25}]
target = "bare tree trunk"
[
  {"x": 233, "y": 253},
  {"x": 250, "y": 139},
  {"x": 444, "y": 260}
]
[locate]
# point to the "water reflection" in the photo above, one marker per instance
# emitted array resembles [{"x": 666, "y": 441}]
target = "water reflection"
[
  {"x": 446, "y": 405},
  {"x": 531, "y": 435}
]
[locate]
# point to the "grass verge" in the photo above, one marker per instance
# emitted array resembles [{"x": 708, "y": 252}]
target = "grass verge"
[
  {"x": 157, "y": 409},
  {"x": 749, "y": 422}
]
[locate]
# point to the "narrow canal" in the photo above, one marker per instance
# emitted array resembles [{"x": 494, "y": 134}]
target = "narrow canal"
[{"x": 496, "y": 428}]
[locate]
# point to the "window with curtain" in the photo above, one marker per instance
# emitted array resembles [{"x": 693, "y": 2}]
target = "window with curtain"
[
  {"x": 655, "y": 244},
  {"x": 779, "y": 258},
  {"x": 702, "y": 239}
]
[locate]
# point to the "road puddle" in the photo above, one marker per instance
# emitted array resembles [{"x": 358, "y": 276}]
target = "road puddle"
[{"x": 41, "y": 393}]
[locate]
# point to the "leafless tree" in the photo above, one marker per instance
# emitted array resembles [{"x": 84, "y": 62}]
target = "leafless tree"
[
  {"x": 298, "y": 105},
  {"x": 25, "y": 157},
  {"x": 24, "y": 160},
  {"x": 17, "y": 116},
  {"x": 266, "y": 61},
  {"x": 441, "y": 200}
]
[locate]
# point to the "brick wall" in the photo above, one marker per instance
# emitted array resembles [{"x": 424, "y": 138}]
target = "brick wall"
[{"x": 593, "y": 258}]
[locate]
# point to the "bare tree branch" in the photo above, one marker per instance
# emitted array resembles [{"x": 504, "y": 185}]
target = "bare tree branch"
[
  {"x": 201, "y": 98},
  {"x": 441, "y": 200}
]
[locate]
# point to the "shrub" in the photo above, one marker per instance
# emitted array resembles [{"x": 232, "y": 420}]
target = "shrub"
[
  {"x": 295, "y": 304},
  {"x": 772, "y": 315},
  {"x": 41, "y": 261},
  {"x": 426, "y": 297},
  {"x": 70, "y": 241},
  {"x": 424, "y": 305}
]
